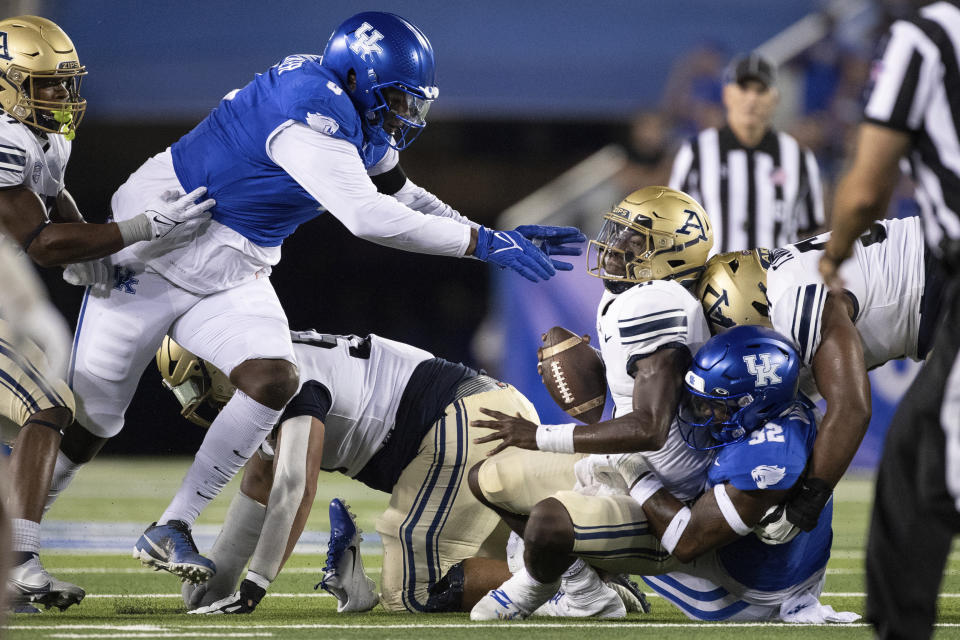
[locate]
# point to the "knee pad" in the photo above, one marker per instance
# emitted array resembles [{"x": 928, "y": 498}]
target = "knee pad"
[{"x": 446, "y": 595}]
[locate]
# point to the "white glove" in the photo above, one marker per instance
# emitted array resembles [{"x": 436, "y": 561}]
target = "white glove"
[
  {"x": 167, "y": 212},
  {"x": 173, "y": 209},
  {"x": 597, "y": 476},
  {"x": 92, "y": 272},
  {"x": 630, "y": 465},
  {"x": 774, "y": 528}
]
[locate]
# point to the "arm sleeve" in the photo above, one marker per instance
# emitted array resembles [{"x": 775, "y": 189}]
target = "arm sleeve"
[
  {"x": 331, "y": 171},
  {"x": 419, "y": 199},
  {"x": 904, "y": 78},
  {"x": 289, "y": 480}
]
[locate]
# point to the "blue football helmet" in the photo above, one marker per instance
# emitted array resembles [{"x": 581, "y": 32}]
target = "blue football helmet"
[
  {"x": 738, "y": 381},
  {"x": 395, "y": 74}
]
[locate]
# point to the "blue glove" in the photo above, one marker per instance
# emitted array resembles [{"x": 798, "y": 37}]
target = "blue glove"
[
  {"x": 554, "y": 240},
  {"x": 511, "y": 249}
]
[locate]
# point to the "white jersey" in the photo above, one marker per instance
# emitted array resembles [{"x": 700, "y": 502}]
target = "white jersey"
[
  {"x": 885, "y": 279},
  {"x": 635, "y": 324},
  {"x": 32, "y": 160},
  {"x": 366, "y": 378}
]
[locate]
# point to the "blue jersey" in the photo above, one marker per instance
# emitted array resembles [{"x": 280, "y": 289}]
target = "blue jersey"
[
  {"x": 773, "y": 457},
  {"x": 227, "y": 151}
]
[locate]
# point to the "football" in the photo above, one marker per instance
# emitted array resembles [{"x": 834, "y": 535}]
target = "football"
[{"x": 573, "y": 373}]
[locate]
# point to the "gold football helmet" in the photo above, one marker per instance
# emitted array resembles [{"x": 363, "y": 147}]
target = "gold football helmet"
[
  {"x": 733, "y": 290},
  {"x": 655, "y": 233},
  {"x": 200, "y": 387},
  {"x": 35, "y": 52}
]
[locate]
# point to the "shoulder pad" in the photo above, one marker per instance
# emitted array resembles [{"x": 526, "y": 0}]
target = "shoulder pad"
[{"x": 315, "y": 98}]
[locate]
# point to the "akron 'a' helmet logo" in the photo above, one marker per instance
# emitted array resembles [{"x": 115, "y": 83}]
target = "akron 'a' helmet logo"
[{"x": 693, "y": 221}]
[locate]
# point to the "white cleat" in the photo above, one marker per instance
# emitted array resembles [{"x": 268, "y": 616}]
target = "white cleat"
[
  {"x": 584, "y": 595},
  {"x": 515, "y": 599},
  {"x": 29, "y": 584},
  {"x": 605, "y": 604},
  {"x": 343, "y": 574},
  {"x": 497, "y": 605}
]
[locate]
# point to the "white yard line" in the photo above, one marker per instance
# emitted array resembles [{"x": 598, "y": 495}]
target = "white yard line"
[
  {"x": 825, "y": 594},
  {"x": 143, "y": 570}
]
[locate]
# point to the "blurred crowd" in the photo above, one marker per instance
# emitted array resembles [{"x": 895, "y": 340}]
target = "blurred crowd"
[{"x": 822, "y": 91}]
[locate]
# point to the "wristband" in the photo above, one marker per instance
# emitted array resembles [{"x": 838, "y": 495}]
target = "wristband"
[
  {"x": 675, "y": 529},
  {"x": 135, "y": 229},
  {"x": 729, "y": 511},
  {"x": 556, "y": 438},
  {"x": 645, "y": 487}
]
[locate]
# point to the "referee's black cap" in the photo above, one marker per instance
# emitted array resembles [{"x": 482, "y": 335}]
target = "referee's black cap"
[{"x": 751, "y": 66}]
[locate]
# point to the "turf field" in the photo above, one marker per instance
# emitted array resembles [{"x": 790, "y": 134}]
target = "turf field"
[{"x": 112, "y": 500}]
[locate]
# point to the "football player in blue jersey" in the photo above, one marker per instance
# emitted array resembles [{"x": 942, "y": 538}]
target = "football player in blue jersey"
[
  {"x": 740, "y": 400},
  {"x": 311, "y": 134}
]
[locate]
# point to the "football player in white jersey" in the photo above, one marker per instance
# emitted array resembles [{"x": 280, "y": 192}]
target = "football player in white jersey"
[
  {"x": 41, "y": 107},
  {"x": 886, "y": 311},
  {"x": 311, "y": 134},
  {"x": 650, "y": 251},
  {"x": 391, "y": 416}
]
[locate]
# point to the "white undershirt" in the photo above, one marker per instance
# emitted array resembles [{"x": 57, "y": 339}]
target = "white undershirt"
[{"x": 331, "y": 171}]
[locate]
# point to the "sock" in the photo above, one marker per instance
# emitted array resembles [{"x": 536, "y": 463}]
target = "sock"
[
  {"x": 63, "y": 473},
  {"x": 574, "y": 569},
  {"x": 236, "y": 433},
  {"x": 514, "y": 552},
  {"x": 233, "y": 547},
  {"x": 259, "y": 580},
  {"x": 581, "y": 578},
  {"x": 25, "y": 536}
]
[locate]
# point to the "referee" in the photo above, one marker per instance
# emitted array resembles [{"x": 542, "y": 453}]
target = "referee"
[
  {"x": 913, "y": 111},
  {"x": 759, "y": 186}
]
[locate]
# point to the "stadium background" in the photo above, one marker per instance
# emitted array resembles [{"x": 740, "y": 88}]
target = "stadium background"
[{"x": 527, "y": 91}]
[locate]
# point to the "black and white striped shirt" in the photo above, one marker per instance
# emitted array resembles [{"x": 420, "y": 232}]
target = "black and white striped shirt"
[
  {"x": 767, "y": 196},
  {"x": 916, "y": 89}
]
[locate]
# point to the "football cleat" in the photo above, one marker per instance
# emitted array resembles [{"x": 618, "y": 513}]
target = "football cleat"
[
  {"x": 30, "y": 584},
  {"x": 515, "y": 599},
  {"x": 343, "y": 575},
  {"x": 629, "y": 591},
  {"x": 243, "y": 601},
  {"x": 583, "y": 595},
  {"x": 497, "y": 605},
  {"x": 602, "y": 603},
  {"x": 170, "y": 547}
]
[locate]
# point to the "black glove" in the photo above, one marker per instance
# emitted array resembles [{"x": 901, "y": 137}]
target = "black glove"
[{"x": 803, "y": 509}]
